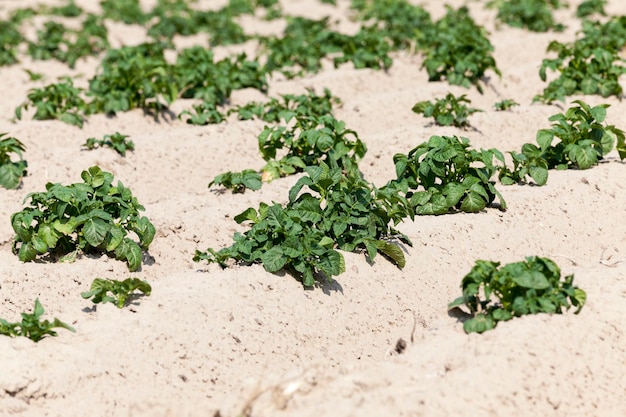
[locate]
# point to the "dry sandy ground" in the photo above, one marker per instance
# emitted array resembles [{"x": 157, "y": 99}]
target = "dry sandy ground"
[{"x": 244, "y": 341}]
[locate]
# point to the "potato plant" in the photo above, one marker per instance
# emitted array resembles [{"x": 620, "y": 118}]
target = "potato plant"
[
  {"x": 582, "y": 140},
  {"x": 445, "y": 175},
  {"x": 32, "y": 326},
  {"x": 116, "y": 141},
  {"x": 60, "y": 101},
  {"x": 534, "y": 15},
  {"x": 457, "y": 49},
  {"x": 116, "y": 292},
  {"x": 90, "y": 217},
  {"x": 327, "y": 210},
  {"x": 493, "y": 294},
  {"x": 447, "y": 111},
  {"x": 11, "y": 172}
]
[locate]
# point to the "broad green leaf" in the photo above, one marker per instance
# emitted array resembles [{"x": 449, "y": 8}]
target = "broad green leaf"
[
  {"x": 95, "y": 231},
  {"x": 249, "y": 214},
  {"x": 544, "y": 138},
  {"x": 473, "y": 202},
  {"x": 479, "y": 324},
  {"x": 532, "y": 279},
  {"x": 10, "y": 175},
  {"x": 27, "y": 252},
  {"x": 274, "y": 259},
  {"x": 394, "y": 252},
  {"x": 598, "y": 113},
  {"x": 538, "y": 174},
  {"x": 586, "y": 157}
]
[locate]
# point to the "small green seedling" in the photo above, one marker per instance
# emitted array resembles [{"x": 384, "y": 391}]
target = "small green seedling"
[
  {"x": 31, "y": 325},
  {"x": 116, "y": 141},
  {"x": 11, "y": 172},
  {"x": 493, "y": 294},
  {"x": 447, "y": 111},
  {"x": 505, "y": 104},
  {"x": 121, "y": 291}
]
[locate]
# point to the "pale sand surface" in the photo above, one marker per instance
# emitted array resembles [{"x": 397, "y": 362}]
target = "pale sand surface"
[{"x": 244, "y": 340}]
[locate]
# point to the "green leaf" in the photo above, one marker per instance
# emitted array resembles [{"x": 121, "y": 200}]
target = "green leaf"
[
  {"x": 95, "y": 231},
  {"x": 274, "y": 259},
  {"x": 532, "y": 279},
  {"x": 479, "y": 324},
  {"x": 394, "y": 252}
]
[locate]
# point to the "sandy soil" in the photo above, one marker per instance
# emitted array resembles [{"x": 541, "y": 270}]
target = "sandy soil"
[{"x": 242, "y": 341}]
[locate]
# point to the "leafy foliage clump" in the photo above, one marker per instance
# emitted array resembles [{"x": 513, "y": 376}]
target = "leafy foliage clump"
[
  {"x": 60, "y": 101},
  {"x": 308, "y": 142},
  {"x": 493, "y": 294},
  {"x": 288, "y": 107},
  {"x": 90, "y": 217},
  {"x": 505, "y": 104},
  {"x": 590, "y": 7},
  {"x": 116, "y": 141},
  {"x": 10, "y": 39},
  {"x": 339, "y": 211},
  {"x": 534, "y": 15},
  {"x": 583, "y": 140},
  {"x": 11, "y": 172},
  {"x": 447, "y": 111},
  {"x": 121, "y": 291},
  {"x": 32, "y": 326},
  {"x": 590, "y": 65},
  {"x": 56, "y": 41},
  {"x": 458, "y": 50},
  {"x": 239, "y": 182},
  {"x": 126, "y": 11},
  {"x": 445, "y": 174},
  {"x": 397, "y": 20},
  {"x": 133, "y": 77}
]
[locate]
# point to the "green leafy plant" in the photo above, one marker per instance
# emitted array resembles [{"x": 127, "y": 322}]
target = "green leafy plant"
[
  {"x": 583, "y": 69},
  {"x": 10, "y": 39},
  {"x": 397, "y": 20},
  {"x": 116, "y": 141},
  {"x": 200, "y": 77},
  {"x": 505, "y": 104},
  {"x": 49, "y": 41},
  {"x": 248, "y": 179},
  {"x": 11, "y": 172},
  {"x": 31, "y": 325},
  {"x": 288, "y": 107},
  {"x": 302, "y": 46},
  {"x": 591, "y": 7},
  {"x": 583, "y": 139},
  {"x": 339, "y": 211},
  {"x": 121, "y": 291},
  {"x": 458, "y": 50},
  {"x": 90, "y": 217},
  {"x": 308, "y": 142},
  {"x": 445, "y": 174},
  {"x": 60, "y": 101},
  {"x": 493, "y": 294},
  {"x": 447, "y": 111},
  {"x": 127, "y": 11},
  {"x": 534, "y": 15},
  {"x": 133, "y": 77}
]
